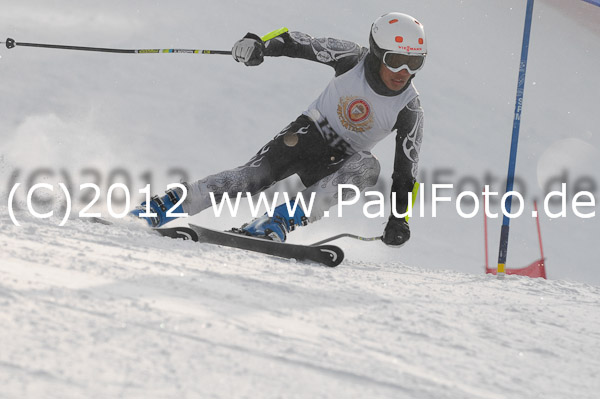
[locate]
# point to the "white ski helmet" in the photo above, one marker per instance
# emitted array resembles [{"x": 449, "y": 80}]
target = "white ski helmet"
[{"x": 398, "y": 40}]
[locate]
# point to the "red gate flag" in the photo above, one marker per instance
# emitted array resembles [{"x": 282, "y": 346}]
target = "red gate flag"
[{"x": 535, "y": 270}]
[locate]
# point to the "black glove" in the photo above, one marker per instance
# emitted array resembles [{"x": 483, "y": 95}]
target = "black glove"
[
  {"x": 250, "y": 50},
  {"x": 396, "y": 232}
]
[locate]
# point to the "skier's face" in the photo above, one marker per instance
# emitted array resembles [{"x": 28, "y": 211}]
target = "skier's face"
[{"x": 393, "y": 80}]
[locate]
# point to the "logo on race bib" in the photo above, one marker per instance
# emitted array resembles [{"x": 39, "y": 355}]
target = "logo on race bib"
[{"x": 355, "y": 114}]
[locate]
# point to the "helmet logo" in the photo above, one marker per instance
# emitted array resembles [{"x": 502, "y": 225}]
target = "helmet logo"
[
  {"x": 393, "y": 21},
  {"x": 399, "y": 39},
  {"x": 408, "y": 49}
]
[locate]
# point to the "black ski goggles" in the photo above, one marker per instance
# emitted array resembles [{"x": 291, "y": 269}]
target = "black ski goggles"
[{"x": 396, "y": 62}]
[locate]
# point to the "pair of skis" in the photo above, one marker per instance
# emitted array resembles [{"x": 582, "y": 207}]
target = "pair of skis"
[{"x": 328, "y": 255}]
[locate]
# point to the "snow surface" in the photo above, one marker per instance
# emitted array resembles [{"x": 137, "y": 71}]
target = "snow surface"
[
  {"x": 94, "y": 311},
  {"x": 75, "y": 113}
]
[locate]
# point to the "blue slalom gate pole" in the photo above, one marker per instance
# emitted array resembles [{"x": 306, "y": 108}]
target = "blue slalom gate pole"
[
  {"x": 515, "y": 141},
  {"x": 594, "y": 2}
]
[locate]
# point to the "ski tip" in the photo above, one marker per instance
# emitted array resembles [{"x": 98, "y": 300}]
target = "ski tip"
[
  {"x": 184, "y": 233},
  {"x": 333, "y": 255}
]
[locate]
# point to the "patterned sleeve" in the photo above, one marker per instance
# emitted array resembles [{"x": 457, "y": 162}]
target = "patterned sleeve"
[
  {"x": 340, "y": 54},
  {"x": 409, "y": 136}
]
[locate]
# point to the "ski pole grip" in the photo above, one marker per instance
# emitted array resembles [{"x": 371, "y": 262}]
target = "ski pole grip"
[
  {"x": 274, "y": 34},
  {"x": 10, "y": 43}
]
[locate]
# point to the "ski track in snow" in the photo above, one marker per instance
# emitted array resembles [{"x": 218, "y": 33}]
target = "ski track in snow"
[{"x": 117, "y": 311}]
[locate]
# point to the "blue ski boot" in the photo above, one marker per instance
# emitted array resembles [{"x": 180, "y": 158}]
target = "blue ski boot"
[
  {"x": 160, "y": 206},
  {"x": 275, "y": 228}
]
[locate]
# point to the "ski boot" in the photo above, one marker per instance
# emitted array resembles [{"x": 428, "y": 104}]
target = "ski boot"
[
  {"x": 274, "y": 228},
  {"x": 160, "y": 206}
]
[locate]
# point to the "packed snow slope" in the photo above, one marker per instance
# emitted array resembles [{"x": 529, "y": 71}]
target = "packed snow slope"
[
  {"x": 100, "y": 118},
  {"x": 116, "y": 311}
]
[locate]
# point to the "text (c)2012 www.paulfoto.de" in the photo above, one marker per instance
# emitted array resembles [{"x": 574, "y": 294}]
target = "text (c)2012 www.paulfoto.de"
[{"x": 582, "y": 203}]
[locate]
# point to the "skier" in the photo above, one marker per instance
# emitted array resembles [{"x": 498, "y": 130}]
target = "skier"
[{"x": 371, "y": 95}]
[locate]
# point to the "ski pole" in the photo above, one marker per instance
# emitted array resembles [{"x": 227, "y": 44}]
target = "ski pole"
[
  {"x": 11, "y": 43},
  {"x": 415, "y": 191},
  {"x": 349, "y": 236}
]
